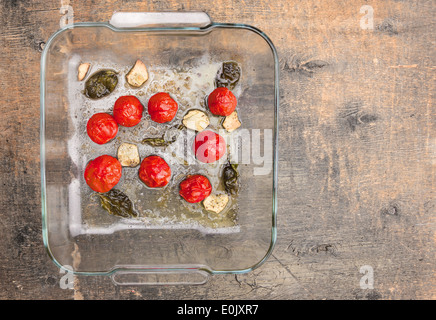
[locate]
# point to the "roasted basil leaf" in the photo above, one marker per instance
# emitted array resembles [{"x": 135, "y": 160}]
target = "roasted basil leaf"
[
  {"x": 169, "y": 137},
  {"x": 157, "y": 142},
  {"x": 230, "y": 178},
  {"x": 117, "y": 203},
  {"x": 101, "y": 84},
  {"x": 228, "y": 75}
]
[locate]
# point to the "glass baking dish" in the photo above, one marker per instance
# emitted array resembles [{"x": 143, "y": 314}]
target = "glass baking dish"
[{"x": 173, "y": 242}]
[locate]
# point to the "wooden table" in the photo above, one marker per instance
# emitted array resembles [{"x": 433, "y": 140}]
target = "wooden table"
[{"x": 356, "y": 163}]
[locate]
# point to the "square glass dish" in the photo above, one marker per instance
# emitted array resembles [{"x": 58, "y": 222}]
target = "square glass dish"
[{"x": 171, "y": 241}]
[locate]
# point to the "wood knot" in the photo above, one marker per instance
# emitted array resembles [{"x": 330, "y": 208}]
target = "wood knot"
[
  {"x": 306, "y": 68},
  {"x": 387, "y": 26},
  {"x": 41, "y": 46},
  {"x": 391, "y": 210},
  {"x": 355, "y": 118},
  {"x": 326, "y": 248}
]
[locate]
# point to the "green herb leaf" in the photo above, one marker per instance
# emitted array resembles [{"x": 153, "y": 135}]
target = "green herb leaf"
[
  {"x": 162, "y": 142},
  {"x": 157, "y": 142},
  {"x": 117, "y": 203},
  {"x": 101, "y": 84},
  {"x": 230, "y": 178}
]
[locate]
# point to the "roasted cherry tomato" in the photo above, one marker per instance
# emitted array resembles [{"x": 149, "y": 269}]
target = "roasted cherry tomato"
[
  {"x": 222, "y": 102},
  {"x": 128, "y": 111},
  {"x": 162, "y": 108},
  {"x": 195, "y": 188},
  {"x": 103, "y": 173},
  {"x": 101, "y": 128},
  {"x": 154, "y": 172},
  {"x": 209, "y": 146}
]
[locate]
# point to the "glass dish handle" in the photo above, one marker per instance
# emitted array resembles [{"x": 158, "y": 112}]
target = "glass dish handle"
[
  {"x": 196, "y": 19},
  {"x": 160, "y": 277}
]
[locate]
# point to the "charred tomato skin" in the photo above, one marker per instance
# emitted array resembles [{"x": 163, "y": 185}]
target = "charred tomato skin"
[
  {"x": 209, "y": 146},
  {"x": 103, "y": 173},
  {"x": 101, "y": 128},
  {"x": 222, "y": 102},
  {"x": 154, "y": 172},
  {"x": 195, "y": 188},
  {"x": 128, "y": 111},
  {"x": 162, "y": 108}
]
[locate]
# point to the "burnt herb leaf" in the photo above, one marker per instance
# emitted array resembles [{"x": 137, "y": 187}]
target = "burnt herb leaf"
[
  {"x": 117, "y": 203},
  {"x": 157, "y": 142},
  {"x": 101, "y": 84},
  {"x": 228, "y": 75},
  {"x": 172, "y": 134},
  {"x": 230, "y": 178}
]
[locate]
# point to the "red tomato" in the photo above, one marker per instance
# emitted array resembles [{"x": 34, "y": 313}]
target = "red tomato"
[
  {"x": 162, "y": 108},
  {"x": 195, "y": 188},
  {"x": 154, "y": 172},
  {"x": 209, "y": 146},
  {"x": 128, "y": 111},
  {"x": 222, "y": 102},
  {"x": 103, "y": 173},
  {"x": 101, "y": 128}
]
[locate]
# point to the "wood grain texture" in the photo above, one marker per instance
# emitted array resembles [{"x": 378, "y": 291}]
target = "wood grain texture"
[{"x": 356, "y": 162}]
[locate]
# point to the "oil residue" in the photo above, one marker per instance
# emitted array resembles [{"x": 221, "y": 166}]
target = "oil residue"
[{"x": 157, "y": 208}]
